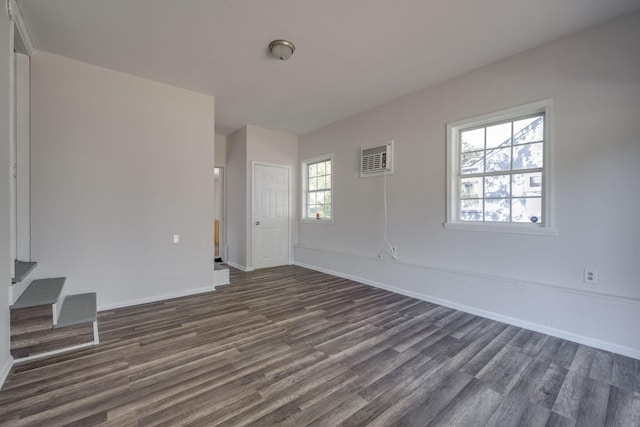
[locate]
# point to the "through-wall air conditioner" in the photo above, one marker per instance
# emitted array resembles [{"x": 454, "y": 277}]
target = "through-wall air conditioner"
[{"x": 376, "y": 160}]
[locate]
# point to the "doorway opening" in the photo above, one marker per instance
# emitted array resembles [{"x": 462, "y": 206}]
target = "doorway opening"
[{"x": 219, "y": 224}]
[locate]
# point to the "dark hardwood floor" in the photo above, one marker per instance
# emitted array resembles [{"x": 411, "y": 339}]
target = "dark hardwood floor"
[{"x": 294, "y": 347}]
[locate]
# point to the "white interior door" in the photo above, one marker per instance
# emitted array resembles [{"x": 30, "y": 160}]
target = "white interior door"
[{"x": 270, "y": 216}]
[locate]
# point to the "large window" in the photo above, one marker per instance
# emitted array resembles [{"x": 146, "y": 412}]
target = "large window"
[
  {"x": 499, "y": 170},
  {"x": 316, "y": 184}
]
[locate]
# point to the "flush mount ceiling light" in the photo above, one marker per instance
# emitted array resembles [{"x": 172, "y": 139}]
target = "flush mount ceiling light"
[{"x": 282, "y": 49}]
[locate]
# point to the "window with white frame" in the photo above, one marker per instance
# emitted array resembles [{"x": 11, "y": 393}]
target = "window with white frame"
[
  {"x": 499, "y": 177},
  {"x": 317, "y": 189}
]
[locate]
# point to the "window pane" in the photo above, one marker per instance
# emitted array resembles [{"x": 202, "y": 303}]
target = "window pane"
[
  {"x": 471, "y": 210},
  {"x": 472, "y": 140},
  {"x": 498, "y": 160},
  {"x": 496, "y": 186},
  {"x": 526, "y": 184},
  {"x": 327, "y": 182},
  {"x": 313, "y": 184},
  {"x": 496, "y": 210},
  {"x": 327, "y": 167},
  {"x": 327, "y": 197},
  {"x": 325, "y": 211},
  {"x": 320, "y": 168},
  {"x": 472, "y": 163},
  {"x": 471, "y": 188},
  {"x": 527, "y": 210},
  {"x": 499, "y": 135},
  {"x": 312, "y": 198},
  {"x": 528, "y": 130},
  {"x": 527, "y": 156},
  {"x": 313, "y": 170},
  {"x": 320, "y": 184},
  {"x": 319, "y": 197},
  {"x": 311, "y": 211}
]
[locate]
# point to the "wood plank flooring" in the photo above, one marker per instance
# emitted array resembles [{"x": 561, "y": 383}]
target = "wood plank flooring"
[{"x": 293, "y": 347}]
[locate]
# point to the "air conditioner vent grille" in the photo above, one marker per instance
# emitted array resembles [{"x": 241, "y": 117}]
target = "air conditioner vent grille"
[{"x": 376, "y": 160}]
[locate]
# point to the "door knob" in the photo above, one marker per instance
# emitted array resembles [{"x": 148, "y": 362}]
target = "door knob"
[{"x": 257, "y": 222}]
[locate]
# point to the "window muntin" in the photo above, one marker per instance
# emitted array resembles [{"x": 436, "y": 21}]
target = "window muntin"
[
  {"x": 497, "y": 164},
  {"x": 317, "y": 184},
  {"x": 498, "y": 178}
]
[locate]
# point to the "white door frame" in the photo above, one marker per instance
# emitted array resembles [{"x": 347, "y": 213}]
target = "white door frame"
[
  {"x": 19, "y": 135},
  {"x": 23, "y": 158},
  {"x": 223, "y": 212},
  {"x": 253, "y": 206}
]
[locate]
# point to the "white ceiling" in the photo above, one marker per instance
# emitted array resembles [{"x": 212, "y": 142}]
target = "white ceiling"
[{"x": 351, "y": 55}]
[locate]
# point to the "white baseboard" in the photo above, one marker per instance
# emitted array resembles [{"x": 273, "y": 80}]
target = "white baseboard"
[
  {"x": 5, "y": 370},
  {"x": 54, "y": 352},
  {"x": 559, "y": 333},
  {"x": 155, "y": 298},
  {"x": 239, "y": 267}
]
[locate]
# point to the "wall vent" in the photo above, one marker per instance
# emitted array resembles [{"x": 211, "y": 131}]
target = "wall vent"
[{"x": 376, "y": 160}]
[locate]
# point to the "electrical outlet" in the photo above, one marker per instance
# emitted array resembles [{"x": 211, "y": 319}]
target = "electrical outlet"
[
  {"x": 590, "y": 276},
  {"x": 176, "y": 238}
]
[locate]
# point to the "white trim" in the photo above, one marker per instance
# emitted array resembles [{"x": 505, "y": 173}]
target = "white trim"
[
  {"x": 223, "y": 220},
  {"x": 488, "y": 276},
  {"x": 13, "y": 148},
  {"x": 511, "y": 228},
  {"x": 96, "y": 336},
  {"x": 155, "y": 298},
  {"x": 9, "y": 7},
  {"x": 304, "y": 183},
  {"x": 452, "y": 165},
  {"x": 6, "y": 370},
  {"x": 559, "y": 333},
  {"x": 13, "y": 11},
  {"x": 239, "y": 267},
  {"x": 253, "y": 219},
  {"x": 54, "y": 352},
  {"x": 23, "y": 156},
  {"x": 56, "y": 307}
]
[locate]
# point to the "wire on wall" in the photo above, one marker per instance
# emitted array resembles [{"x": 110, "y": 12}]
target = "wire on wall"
[{"x": 392, "y": 252}]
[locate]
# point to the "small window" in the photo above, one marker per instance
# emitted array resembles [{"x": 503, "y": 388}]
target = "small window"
[
  {"x": 498, "y": 170},
  {"x": 317, "y": 189}
]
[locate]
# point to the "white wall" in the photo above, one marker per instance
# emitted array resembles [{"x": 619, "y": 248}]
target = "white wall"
[
  {"x": 221, "y": 150},
  {"x": 119, "y": 165},
  {"x": 236, "y": 198},
  {"x": 244, "y": 147},
  {"x": 536, "y": 281},
  {"x": 5, "y": 171}
]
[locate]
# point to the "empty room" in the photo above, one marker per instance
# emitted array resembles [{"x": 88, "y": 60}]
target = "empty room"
[{"x": 327, "y": 213}]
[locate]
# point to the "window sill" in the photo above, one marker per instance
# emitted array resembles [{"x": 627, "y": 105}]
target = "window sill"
[
  {"x": 503, "y": 228},
  {"x": 316, "y": 221}
]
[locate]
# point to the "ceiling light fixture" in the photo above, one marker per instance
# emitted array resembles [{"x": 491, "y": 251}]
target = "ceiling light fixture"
[{"x": 282, "y": 49}]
